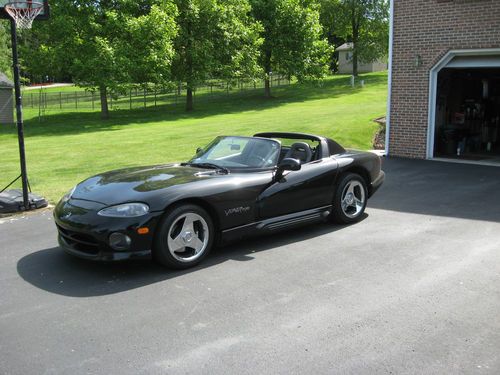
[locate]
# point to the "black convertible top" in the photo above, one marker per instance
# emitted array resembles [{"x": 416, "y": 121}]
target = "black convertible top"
[{"x": 310, "y": 137}]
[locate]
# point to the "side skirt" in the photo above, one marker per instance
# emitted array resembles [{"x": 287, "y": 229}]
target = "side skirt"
[{"x": 276, "y": 224}]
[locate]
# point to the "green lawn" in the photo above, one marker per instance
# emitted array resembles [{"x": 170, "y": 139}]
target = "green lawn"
[{"x": 65, "y": 148}]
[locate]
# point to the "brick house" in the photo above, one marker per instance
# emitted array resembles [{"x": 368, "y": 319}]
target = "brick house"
[{"x": 444, "y": 79}]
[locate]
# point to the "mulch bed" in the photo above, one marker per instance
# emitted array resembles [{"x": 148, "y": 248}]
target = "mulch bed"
[{"x": 378, "y": 141}]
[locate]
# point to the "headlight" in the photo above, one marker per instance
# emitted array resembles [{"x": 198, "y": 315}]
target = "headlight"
[
  {"x": 125, "y": 210},
  {"x": 68, "y": 195}
]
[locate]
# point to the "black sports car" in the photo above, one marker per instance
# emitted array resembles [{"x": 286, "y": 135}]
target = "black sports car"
[{"x": 232, "y": 188}]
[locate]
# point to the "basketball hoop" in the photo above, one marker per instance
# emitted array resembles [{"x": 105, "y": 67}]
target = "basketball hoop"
[{"x": 24, "y": 12}]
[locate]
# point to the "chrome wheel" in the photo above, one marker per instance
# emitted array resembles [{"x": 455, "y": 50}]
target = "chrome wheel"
[
  {"x": 188, "y": 237},
  {"x": 353, "y": 199}
]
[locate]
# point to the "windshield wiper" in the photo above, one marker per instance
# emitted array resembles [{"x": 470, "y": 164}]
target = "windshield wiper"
[{"x": 208, "y": 165}]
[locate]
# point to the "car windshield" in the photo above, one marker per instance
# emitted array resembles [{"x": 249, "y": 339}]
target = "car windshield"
[{"x": 239, "y": 152}]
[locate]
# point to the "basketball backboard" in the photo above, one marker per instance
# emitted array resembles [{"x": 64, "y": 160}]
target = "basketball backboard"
[{"x": 42, "y": 16}]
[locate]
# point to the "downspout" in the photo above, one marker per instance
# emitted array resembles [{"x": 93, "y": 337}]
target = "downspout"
[{"x": 389, "y": 95}]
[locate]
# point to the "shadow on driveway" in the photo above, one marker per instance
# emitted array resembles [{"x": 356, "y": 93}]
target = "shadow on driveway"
[
  {"x": 440, "y": 189},
  {"x": 57, "y": 272}
]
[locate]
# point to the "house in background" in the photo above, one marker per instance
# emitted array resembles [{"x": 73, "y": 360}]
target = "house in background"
[
  {"x": 6, "y": 100},
  {"x": 444, "y": 80},
  {"x": 345, "y": 61}
]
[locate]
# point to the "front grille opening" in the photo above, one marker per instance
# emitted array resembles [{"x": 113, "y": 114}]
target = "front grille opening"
[{"x": 79, "y": 241}]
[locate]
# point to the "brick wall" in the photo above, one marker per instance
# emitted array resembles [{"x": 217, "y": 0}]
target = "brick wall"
[{"x": 430, "y": 28}]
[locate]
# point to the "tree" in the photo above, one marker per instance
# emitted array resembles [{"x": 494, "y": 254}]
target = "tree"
[
  {"x": 217, "y": 38},
  {"x": 106, "y": 44},
  {"x": 363, "y": 22},
  {"x": 5, "y": 52},
  {"x": 330, "y": 18},
  {"x": 292, "y": 39}
]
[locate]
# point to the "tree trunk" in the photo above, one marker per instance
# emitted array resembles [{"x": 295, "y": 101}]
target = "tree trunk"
[
  {"x": 267, "y": 87},
  {"x": 189, "y": 99},
  {"x": 354, "y": 62},
  {"x": 104, "y": 102},
  {"x": 355, "y": 39},
  {"x": 267, "y": 69},
  {"x": 189, "y": 69}
]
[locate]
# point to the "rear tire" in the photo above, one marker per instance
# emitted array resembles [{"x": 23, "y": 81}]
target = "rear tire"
[
  {"x": 184, "y": 237},
  {"x": 349, "y": 201}
]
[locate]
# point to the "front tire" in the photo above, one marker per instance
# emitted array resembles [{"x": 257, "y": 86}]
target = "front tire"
[
  {"x": 185, "y": 236},
  {"x": 350, "y": 199}
]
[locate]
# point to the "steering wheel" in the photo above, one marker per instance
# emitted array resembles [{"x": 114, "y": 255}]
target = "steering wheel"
[{"x": 259, "y": 158}]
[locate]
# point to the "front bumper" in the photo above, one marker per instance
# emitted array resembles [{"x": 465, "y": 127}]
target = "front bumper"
[
  {"x": 83, "y": 233},
  {"x": 108, "y": 255}
]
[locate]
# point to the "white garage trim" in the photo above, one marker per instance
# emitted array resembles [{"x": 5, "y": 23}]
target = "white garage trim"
[
  {"x": 470, "y": 58},
  {"x": 389, "y": 86},
  {"x": 474, "y": 62}
]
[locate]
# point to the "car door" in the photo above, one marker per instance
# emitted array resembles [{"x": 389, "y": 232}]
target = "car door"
[
  {"x": 235, "y": 197},
  {"x": 310, "y": 187}
]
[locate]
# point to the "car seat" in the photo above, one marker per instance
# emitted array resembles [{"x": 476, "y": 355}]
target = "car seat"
[{"x": 301, "y": 151}]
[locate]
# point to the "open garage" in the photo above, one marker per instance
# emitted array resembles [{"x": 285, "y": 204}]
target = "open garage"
[{"x": 467, "y": 109}]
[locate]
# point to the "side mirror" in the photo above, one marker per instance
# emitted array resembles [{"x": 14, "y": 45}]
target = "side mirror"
[
  {"x": 198, "y": 150},
  {"x": 289, "y": 164}
]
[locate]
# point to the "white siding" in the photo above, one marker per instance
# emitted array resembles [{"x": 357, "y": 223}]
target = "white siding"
[
  {"x": 345, "y": 64},
  {"x": 6, "y": 106}
]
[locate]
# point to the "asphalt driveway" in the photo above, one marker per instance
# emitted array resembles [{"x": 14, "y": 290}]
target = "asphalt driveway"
[{"x": 413, "y": 288}]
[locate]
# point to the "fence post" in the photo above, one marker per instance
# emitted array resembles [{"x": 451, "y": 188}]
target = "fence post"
[
  {"x": 60, "y": 100},
  {"x": 155, "y": 96},
  {"x": 144, "y": 97},
  {"x": 92, "y": 100},
  {"x": 40, "y": 105},
  {"x": 130, "y": 98},
  {"x": 76, "y": 99}
]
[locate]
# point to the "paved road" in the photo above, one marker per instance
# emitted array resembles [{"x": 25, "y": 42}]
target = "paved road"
[{"x": 413, "y": 288}]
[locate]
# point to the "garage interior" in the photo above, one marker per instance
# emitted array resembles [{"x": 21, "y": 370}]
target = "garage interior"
[{"x": 468, "y": 114}]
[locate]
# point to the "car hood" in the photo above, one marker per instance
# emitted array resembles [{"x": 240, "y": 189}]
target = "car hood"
[{"x": 139, "y": 184}]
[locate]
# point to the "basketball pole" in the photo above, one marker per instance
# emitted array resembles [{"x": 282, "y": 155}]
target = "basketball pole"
[{"x": 19, "y": 114}]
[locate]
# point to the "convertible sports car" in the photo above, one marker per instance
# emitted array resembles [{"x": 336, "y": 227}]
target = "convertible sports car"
[{"x": 232, "y": 188}]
